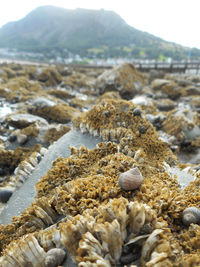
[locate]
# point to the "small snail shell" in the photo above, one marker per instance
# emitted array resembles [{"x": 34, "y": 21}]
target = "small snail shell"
[
  {"x": 54, "y": 257},
  {"x": 191, "y": 215},
  {"x": 130, "y": 179}
]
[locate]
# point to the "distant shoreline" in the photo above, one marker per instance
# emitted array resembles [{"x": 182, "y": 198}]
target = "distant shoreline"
[{"x": 25, "y": 62}]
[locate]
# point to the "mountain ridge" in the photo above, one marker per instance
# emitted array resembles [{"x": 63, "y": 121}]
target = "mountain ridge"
[{"x": 86, "y": 32}]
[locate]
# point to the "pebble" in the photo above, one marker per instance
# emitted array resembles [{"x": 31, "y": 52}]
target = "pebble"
[
  {"x": 39, "y": 158},
  {"x": 136, "y": 112},
  {"x": 5, "y": 194},
  {"x": 191, "y": 215},
  {"x": 22, "y": 139},
  {"x": 12, "y": 138},
  {"x": 142, "y": 129}
]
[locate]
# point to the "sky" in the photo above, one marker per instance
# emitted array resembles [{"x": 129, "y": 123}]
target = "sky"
[{"x": 173, "y": 20}]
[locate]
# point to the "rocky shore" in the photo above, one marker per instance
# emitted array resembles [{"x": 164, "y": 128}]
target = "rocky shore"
[{"x": 133, "y": 200}]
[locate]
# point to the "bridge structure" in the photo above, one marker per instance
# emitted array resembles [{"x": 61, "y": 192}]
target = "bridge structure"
[
  {"x": 174, "y": 66},
  {"x": 146, "y": 66}
]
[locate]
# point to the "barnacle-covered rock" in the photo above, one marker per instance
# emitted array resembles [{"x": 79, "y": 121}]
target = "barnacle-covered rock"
[
  {"x": 49, "y": 76},
  {"x": 54, "y": 133},
  {"x": 96, "y": 236},
  {"x": 24, "y": 120},
  {"x": 170, "y": 88},
  {"x": 79, "y": 205},
  {"x": 124, "y": 79},
  {"x": 183, "y": 123},
  {"x": 114, "y": 120},
  {"x": 59, "y": 113}
]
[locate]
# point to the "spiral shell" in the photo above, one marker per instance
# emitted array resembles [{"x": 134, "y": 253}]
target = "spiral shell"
[
  {"x": 191, "y": 215},
  {"x": 54, "y": 257},
  {"x": 130, "y": 179}
]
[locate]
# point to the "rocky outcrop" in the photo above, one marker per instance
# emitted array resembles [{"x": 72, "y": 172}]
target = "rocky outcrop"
[{"x": 124, "y": 79}]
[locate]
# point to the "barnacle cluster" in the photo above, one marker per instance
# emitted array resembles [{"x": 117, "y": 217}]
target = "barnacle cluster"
[
  {"x": 114, "y": 120},
  {"x": 98, "y": 237}
]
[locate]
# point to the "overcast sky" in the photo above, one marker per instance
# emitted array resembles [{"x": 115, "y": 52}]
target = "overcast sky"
[{"x": 173, "y": 20}]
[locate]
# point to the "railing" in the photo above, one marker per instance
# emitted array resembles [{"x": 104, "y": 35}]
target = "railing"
[
  {"x": 175, "y": 66},
  {"x": 146, "y": 66}
]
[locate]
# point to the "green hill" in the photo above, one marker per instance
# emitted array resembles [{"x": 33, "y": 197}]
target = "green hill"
[{"x": 86, "y": 32}]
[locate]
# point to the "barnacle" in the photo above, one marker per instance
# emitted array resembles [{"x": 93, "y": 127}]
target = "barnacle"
[{"x": 81, "y": 208}]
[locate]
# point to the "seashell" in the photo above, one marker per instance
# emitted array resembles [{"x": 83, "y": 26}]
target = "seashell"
[
  {"x": 191, "y": 215},
  {"x": 54, "y": 257},
  {"x": 131, "y": 179}
]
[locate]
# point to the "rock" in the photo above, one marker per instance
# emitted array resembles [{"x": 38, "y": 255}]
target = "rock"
[
  {"x": 183, "y": 123},
  {"x": 195, "y": 101},
  {"x": 22, "y": 139},
  {"x": 3, "y": 76},
  {"x": 191, "y": 215},
  {"x": 10, "y": 73},
  {"x": 156, "y": 120},
  {"x": 12, "y": 138},
  {"x": 78, "y": 80},
  {"x": 168, "y": 87},
  {"x": 49, "y": 76},
  {"x": 24, "y": 120},
  {"x": 62, "y": 93},
  {"x": 43, "y": 102},
  {"x": 82, "y": 102},
  {"x": 192, "y": 90},
  {"x": 124, "y": 79},
  {"x": 5, "y": 194},
  {"x": 61, "y": 113},
  {"x": 155, "y": 74},
  {"x": 183, "y": 83},
  {"x": 136, "y": 112},
  {"x": 109, "y": 95},
  {"x": 54, "y": 133},
  {"x": 142, "y": 100},
  {"x": 158, "y": 83},
  {"x": 165, "y": 104}
]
